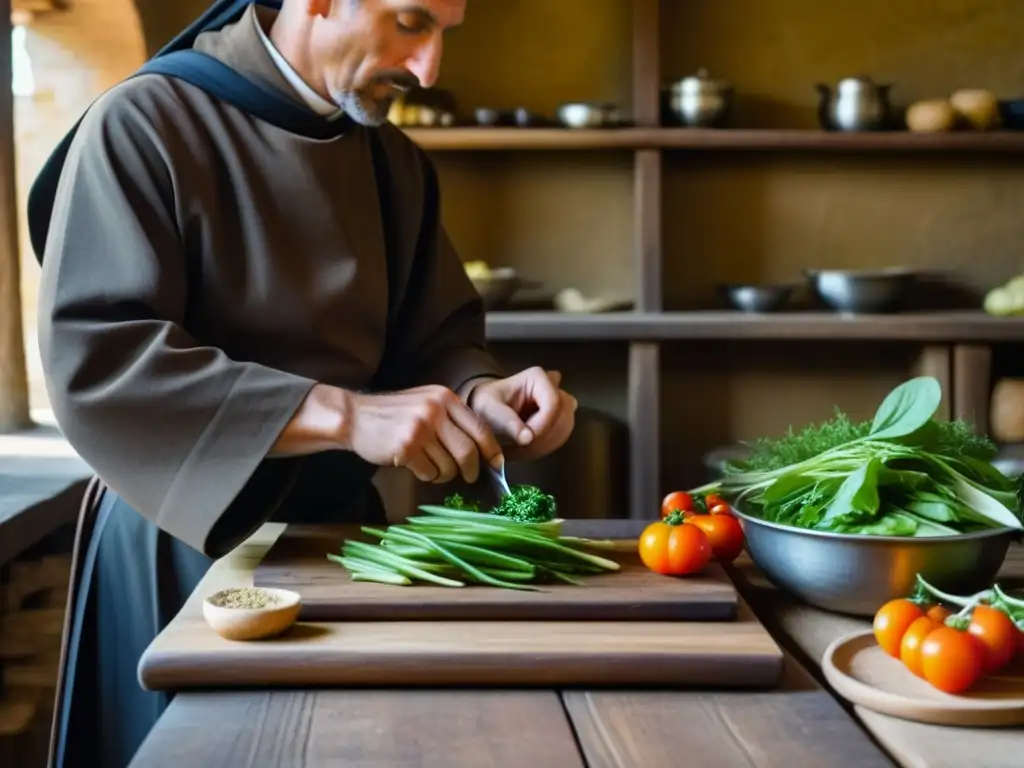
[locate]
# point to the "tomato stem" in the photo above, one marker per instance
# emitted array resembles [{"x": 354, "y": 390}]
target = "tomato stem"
[{"x": 964, "y": 602}]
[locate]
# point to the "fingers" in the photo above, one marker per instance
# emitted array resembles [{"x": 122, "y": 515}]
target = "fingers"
[
  {"x": 547, "y": 397},
  {"x": 445, "y": 466},
  {"x": 415, "y": 459},
  {"x": 483, "y": 442},
  {"x": 461, "y": 452},
  {"x": 506, "y": 422},
  {"x": 550, "y": 441}
]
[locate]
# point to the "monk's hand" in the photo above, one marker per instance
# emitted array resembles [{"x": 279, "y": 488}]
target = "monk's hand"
[
  {"x": 428, "y": 430},
  {"x": 529, "y": 412}
]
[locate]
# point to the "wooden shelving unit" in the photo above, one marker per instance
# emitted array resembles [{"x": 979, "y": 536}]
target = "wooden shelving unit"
[
  {"x": 477, "y": 139},
  {"x": 954, "y": 346},
  {"x": 652, "y": 326}
]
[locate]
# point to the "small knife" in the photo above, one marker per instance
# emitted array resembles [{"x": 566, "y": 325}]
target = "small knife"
[{"x": 498, "y": 480}]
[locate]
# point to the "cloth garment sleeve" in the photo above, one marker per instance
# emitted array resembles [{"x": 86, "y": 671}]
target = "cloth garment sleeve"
[
  {"x": 442, "y": 338},
  {"x": 177, "y": 429}
]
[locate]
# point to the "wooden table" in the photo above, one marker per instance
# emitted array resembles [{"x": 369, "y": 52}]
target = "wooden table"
[{"x": 798, "y": 724}]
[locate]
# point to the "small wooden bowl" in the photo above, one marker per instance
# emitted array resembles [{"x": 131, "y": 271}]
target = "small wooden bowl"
[{"x": 242, "y": 623}]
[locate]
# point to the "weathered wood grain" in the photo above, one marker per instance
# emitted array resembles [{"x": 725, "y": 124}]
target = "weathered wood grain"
[{"x": 371, "y": 729}]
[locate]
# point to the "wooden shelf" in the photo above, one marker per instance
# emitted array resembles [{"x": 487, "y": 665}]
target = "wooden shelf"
[
  {"x": 504, "y": 139},
  {"x": 925, "y": 327}
]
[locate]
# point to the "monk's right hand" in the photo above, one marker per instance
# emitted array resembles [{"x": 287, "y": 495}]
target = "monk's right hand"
[{"x": 427, "y": 430}]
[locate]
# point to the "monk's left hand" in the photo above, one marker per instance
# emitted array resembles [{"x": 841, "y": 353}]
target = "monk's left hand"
[{"x": 529, "y": 413}]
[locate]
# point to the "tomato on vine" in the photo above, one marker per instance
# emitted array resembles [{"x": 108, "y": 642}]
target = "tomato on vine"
[
  {"x": 997, "y": 634},
  {"x": 892, "y": 621},
  {"x": 952, "y": 660},
  {"x": 724, "y": 533},
  {"x": 677, "y": 501},
  {"x": 672, "y": 548},
  {"x": 913, "y": 639}
]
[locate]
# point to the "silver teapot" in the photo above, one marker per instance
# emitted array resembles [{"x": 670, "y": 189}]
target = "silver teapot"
[
  {"x": 700, "y": 101},
  {"x": 856, "y": 104}
]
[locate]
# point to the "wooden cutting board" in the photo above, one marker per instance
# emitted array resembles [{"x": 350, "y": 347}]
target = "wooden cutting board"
[
  {"x": 739, "y": 653},
  {"x": 188, "y": 654},
  {"x": 298, "y": 561}
]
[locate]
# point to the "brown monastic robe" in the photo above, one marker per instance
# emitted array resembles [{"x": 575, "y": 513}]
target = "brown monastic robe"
[{"x": 202, "y": 270}]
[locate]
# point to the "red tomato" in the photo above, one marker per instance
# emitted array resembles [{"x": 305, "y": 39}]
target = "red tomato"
[
  {"x": 724, "y": 533},
  {"x": 997, "y": 633},
  {"x": 891, "y": 623},
  {"x": 939, "y": 614},
  {"x": 951, "y": 660},
  {"x": 720, "y": 509},
  {"x": 677, "y": 500},
  {"x": 913, "y": 639},
  {"x": 713, "y": 500},
  {"x": 674, "y": 549}
]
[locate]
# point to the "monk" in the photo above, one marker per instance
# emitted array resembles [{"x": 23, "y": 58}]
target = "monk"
[{"x": 244, "y": 314}]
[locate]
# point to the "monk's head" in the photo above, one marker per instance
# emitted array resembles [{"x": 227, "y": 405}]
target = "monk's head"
[{"x": 361, "y": 54}]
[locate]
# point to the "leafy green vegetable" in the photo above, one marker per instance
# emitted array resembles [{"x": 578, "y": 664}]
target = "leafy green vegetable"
[
  {"x": 455, "y": 544},
  {"x": 901, "y": 474}
]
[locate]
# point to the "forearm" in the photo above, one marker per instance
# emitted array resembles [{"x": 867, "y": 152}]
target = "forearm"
[{"x": 320, "y": 424}]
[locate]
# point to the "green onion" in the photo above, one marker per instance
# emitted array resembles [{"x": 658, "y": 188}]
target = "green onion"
[{"x": 452, "y": 546}]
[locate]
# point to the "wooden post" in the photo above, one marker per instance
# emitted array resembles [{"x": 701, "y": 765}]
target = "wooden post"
[
  {"x": 14, "y": 403},
  {"x": 645, "y": 357},
  {"x": 972, "y": 385}
]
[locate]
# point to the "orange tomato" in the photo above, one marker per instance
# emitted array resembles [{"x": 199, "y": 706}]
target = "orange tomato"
[
  {"x": 997, "y": 633},
  {"x": 951, "y": 660},
  {"x": 913, "y": 639},
  {"x": 713, "y": 500},
  {"x": 673, "y": 548},
  {"x": 724, "y": 533},
  {"x": 939, "y": 614},
  {"x": 892, "y": 621},
  {"x": 676, "y": 501}
]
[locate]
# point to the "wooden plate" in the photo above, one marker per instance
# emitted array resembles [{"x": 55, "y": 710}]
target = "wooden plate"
[{"x": 861, "y": 672}]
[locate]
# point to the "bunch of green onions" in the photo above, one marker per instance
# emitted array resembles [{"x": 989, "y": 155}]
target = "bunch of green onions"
[{"x": 453, "y": 547}]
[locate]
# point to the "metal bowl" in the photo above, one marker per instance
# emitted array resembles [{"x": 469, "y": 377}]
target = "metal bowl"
[
  {"x": 757, "y": 298},
  {"x": 581, "y": 115},
  {"x": 498, "y": 287},
  {"x": 862, "y": 291},
  {"x": 856, "y": 574}
]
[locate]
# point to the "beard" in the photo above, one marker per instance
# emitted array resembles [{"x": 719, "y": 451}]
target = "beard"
[{"x": 371, "y": 104}]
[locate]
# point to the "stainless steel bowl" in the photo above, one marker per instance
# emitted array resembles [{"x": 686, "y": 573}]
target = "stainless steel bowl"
[
  {"x": 583, "y": 115},
  {"x": 857, "y": 574},
  {"x": 862, "y": 291},
  {"x": 757, "y": 298},
  {"x": 497, "y": 288}
]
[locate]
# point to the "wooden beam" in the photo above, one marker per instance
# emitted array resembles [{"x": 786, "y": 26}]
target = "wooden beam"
[
  {"x": 972, "y": 385},
  {"x": 645, "y": 357},
  {"x": 14, "y": 403},
  {"x": 937, "y": 360}
]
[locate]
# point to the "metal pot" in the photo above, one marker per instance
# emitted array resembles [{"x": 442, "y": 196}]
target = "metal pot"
[
  {"x": 701, "y": 101},
  {"x": 857, "y": 104}
]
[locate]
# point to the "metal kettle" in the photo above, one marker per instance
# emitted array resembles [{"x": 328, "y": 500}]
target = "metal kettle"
[{"x": 856, "y": 104}]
